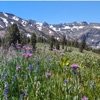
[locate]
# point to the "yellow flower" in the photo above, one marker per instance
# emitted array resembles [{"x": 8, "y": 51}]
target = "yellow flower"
[{"x": 65, "y": 61}]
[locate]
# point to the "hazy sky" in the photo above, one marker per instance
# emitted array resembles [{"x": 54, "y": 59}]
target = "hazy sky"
[{"x": 54, "y": 11}]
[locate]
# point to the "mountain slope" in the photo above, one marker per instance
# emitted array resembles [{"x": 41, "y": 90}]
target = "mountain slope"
[{"x": 75, "y": 30}]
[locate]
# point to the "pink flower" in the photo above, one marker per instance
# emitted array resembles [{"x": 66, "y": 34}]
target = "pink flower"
[
  {"x": 47, "y": 74},
  {"x": 74, "y": 66},
  {"x": 54, "y": 50},
  {"x": 18, "y": 46},
  {"x": 62, "y": 54},
  {"x": 18, "y": 67},
  {"x": 27, "y": 55},
  {"x": 28, "y": 48},
  {"x": 84, "y": 98}
]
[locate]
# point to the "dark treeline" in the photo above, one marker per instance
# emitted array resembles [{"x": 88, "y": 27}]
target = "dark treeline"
[{"x": 13, "y": 37}]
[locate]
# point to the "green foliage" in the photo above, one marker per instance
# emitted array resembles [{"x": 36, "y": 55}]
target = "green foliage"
[
  {"x": 57, "y": 46},
  {"x": 33, "y": 41},
  {"x": 62, "y": 84},
  {"x": 82, "y": 45},
  {"x": 63, "y": 41},
  {"x": 52, "y": 42},
  {"x": 12, "y": 36}
]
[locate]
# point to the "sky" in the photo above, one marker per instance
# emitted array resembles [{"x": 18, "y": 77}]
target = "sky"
[{"x": 54, "y": 12}]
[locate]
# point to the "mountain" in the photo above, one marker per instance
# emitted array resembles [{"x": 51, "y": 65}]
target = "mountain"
[{"x": 75, "y": 30}]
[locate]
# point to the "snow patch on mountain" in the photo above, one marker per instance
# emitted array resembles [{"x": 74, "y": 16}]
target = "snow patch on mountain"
[
  {"x": 5, "y": 15},
  {"x": 81, "y": 27},
  {"x": 28, "y": 35},
  {"x": 24, "y": 22},
  {"x": 39, "y": 26},
  {"x": 15, "y": 18},
  {"x": 51, "y": 26},
  {"x": 12, "y": 22},
  {"x": 1, "y": 26},
  {"x": 98, "y": 27},
  {"x": 50, "y": 32},
  {"x": 5, "y": 21},
  {"x": 66, "y": 27}
]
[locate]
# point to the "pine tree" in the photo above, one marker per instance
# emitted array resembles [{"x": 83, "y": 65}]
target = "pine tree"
[
  {"x": 33, "y": 41},
  {"x": 63, "y": 41},
  {"x": 57, "y": 45},
  {"x": 12, "y": 36},
  {"x": 82, "y": 45},
  {"x": 52, "y": 42}
]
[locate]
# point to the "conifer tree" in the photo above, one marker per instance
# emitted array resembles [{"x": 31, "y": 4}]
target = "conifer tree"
[
  {"x": 82, "y": 45},
  {"x": 33, "y": 41},
  {"x": 12, "y": 36},
  {"x": 57, "y": 45},
  {"x": 63, "y": 41}
]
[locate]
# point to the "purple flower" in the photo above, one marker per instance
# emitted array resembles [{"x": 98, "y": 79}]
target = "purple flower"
[
  {"x": 65, "y": 81},
  {"x": 48, "y": 59},
  {"x": 6, "y": 91},
  {"x": 47, "y": 74},
  {"x": 22, "y": 95},
  {"x": 37, "y": 62},
  {"x": 27, "y": 55},
  {"x": 36, "y": 68},
  {"x": 91, "y": 84},
  {"x": 18, "y": 46},
  {"x": 18, "y": 67},
  {"x": 25, "y": 76},
  {"x": 30, "y": 67},
  {"x": 84, "y": 98},
  {"x": 5, "y": 76},
  {"x": 74, "y": 66}
]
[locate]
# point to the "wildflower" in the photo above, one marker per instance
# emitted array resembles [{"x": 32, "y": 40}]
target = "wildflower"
[
  {"x": 6, "y": 91},
  {"x": 62, "y": 53},
  {"x": 27, "y": 55},
  {"x": 84, "y": 98},
  {"x": 48, "y": 59},
  {"x": 5, "y": 76},
  {"x": 74, "y": 66},
  {"x": 54, "y": 50},
  {"x": 30, "y": 67},
  {"x": 36, "y": 68},
  {"x": 28, "y": 48},
  {"x": 25, "y": 76},
  {"x": 37, "y": 62},
  {"x": 18, "y": 67},
  {"x": 47, "y": 74},
  {"x": 65, "y": 81},
  {"x": 91, "y": 84},
  {"x": 22, "y": 95},
  {"x": 18, "y": 46}
]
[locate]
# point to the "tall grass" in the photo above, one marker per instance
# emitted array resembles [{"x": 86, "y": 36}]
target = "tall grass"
[{"x": 49, "y": 76}]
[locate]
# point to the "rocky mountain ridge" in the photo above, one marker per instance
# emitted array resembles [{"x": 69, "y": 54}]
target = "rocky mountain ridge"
[{"x": 75, "y": 30}]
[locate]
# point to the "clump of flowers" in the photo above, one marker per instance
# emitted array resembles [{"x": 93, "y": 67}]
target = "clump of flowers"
[
  {"x": 74, "y": 68},
  {"x": 65, "y": 81},
  {"x": 47, "y": 74},
  {"x": 84, "y": 98},
  {"x": 18, "y": 67},
  {"x": 27, "y": 55}
]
